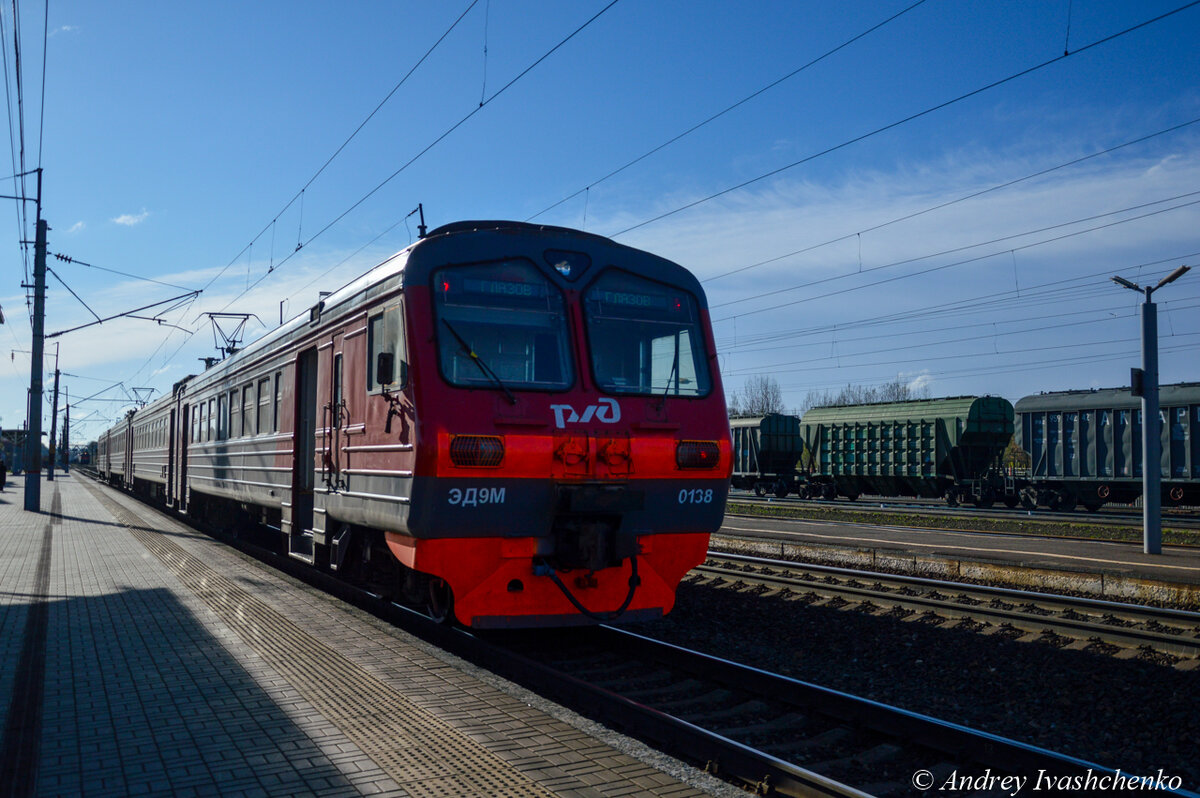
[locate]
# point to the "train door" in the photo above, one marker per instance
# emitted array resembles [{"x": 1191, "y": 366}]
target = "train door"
[
  {"x": 183, "y": 437},
  {"x": 171, "y": 459},
  {"x": 300, "y": 543}
]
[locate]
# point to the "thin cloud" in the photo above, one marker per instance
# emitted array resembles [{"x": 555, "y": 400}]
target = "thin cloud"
[
  {"x": 75, "y": 228},
  {"x": 131, "y": 219}
]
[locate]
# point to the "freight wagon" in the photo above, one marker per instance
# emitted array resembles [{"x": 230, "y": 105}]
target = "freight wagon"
[
  {"x": 930, "y": 448},
  {"x": 766, "y": 451},
  {"x": 1086, "y": 446}
]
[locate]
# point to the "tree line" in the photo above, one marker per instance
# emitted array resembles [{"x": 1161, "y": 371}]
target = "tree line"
[{"x": 762, "y": 395}]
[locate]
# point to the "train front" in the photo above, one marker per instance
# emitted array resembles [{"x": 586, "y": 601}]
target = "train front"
[{"x": 573, "y": 451}]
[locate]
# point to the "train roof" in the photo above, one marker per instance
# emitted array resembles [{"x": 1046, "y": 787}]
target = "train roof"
[
  {"x": 912, "y": 410},
  {"x": 1183, "y": 393},
  {"x": 477, "y": 241}
]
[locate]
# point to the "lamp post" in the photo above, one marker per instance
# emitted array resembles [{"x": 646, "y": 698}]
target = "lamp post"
[{"x": 1151, "y": 423}]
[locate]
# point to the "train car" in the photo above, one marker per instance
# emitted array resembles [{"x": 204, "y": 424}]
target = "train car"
[
  {"x": 1086, "y": 446},
  {"x": 931, "y": 448},
  {"x": 766, "y": 451},
  {"x": 515, "y": 425},
  {"x": 114, "y": 453}
]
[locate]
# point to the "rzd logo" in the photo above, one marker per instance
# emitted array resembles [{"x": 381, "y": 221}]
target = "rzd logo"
[{"x": 606, "y": 412}]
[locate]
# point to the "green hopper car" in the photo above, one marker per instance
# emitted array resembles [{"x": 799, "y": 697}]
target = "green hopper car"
[
  {"x": 766, "y": 451},
  {"x": 931, "y": 448}
]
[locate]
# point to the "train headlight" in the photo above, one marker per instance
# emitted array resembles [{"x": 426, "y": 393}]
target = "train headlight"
[
  {"x": 485, "y": 451},
  {"x": 697, "y": 454}
]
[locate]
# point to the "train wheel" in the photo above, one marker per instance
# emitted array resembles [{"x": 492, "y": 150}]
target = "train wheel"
[
  {"x": 1011, "y": 500},
  {"x": 828, "y": 491},
  {"x": 760, "y": 491},
  {"x": 440, "y": 604},
  {"x": 1092, "y": 506},
  {"x": 781, "y": 490},
  {"x": 851, "y": 497},
  {"x": 1065, "y": 500},
  {"x": 985, "y": 500},
  {"x": 1029, "y": 499},
  {"x": 951, "y": 498}
]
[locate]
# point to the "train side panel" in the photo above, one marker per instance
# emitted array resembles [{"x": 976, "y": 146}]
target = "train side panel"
[{"x": 1086, "y": 446}]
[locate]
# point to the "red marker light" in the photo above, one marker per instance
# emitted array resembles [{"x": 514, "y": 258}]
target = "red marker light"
[{"x": 445, "y": 286}]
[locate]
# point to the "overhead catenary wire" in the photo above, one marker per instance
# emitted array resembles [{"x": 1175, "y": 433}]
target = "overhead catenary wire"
[
  {"x": 299, "y": 195},
  {"x": 973, "y": 195},
  {"x": 434, "y": 143},
  {"x": 77, "y": 262},
  {"x": 912, "y": 117},
  {"x": 966, "y": 261},
  {"x": 728, "y": 109}
]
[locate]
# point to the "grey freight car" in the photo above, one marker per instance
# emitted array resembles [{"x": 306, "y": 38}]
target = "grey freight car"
[
  {"x": 766, "y": 450},
  {"x": 1086, "y": 446}
]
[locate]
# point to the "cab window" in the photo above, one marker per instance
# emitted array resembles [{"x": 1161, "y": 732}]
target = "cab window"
[
  {"x": 645, "y": 337},
  {"x": 501, "y": 324}
]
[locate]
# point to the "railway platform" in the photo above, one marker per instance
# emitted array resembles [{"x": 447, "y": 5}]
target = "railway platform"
[
  {"x": 142, "y": 658},
  {"x": 1120, "y": 571}
]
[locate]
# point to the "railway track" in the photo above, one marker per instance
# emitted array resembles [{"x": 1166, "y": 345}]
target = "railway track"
[
  {"x": 771, "y": 734},
  {"x": 1177, "y": 518},
  {"x": 1170, "y": 635}
]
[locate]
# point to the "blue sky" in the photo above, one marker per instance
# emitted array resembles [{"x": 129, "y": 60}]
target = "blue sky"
[{"x": 854, "y": 223}]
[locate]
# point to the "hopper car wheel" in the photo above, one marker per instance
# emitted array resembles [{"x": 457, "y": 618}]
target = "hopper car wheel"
[
  {"x": 441, "y": 601},
  {"x": 985, "y": 500},
  {"x": 828, "y": 491},
  {"x": 1092, "y": 506},
  {"x": 951, "y": 498},
  {"x": 781, "y": 490},
  {"x": 1011, "y": 500},
  {"x": 1064, "y": 500},
  {"x": 760, "y": 490},
  {"x": 851, "y": 497}
]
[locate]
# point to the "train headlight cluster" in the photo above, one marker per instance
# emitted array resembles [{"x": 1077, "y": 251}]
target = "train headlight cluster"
[
  {"x": 484, "y": 451},
  {"x": 697, "y": 454}
]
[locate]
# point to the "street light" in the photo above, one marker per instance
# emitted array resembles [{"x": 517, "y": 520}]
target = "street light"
[{"x": 1151, "y": 429}]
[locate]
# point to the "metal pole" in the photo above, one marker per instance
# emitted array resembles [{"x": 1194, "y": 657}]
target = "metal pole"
[
  {"x": 33, "y": 440},
  {"x": 1151, "y": 433},
  {"x": 66, "y": 438},
  {"x": 53, "y": 424}
]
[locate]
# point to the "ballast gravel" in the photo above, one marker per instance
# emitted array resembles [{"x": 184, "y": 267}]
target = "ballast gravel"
[{"x": 1137, "y": 714}]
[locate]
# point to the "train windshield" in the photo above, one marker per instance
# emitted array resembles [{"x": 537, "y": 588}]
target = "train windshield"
[
  {"x": 501, "y": 324},
  {"x": 645, "y": 337}
]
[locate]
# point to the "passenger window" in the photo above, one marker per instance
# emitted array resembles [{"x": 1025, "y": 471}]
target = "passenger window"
[
  {"x": 264, "y": 404},
  {"x": 248, "y": 410},
  {"x": 235, "y": 415}
]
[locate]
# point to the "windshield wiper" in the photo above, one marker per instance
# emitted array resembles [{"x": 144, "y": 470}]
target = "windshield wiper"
[{"x": 483, "y": 366}]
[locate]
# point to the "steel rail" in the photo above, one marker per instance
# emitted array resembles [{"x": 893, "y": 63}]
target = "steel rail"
[
  {"x": 1043, "y": 610},
  {"x": 1103, "y": 517}
]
